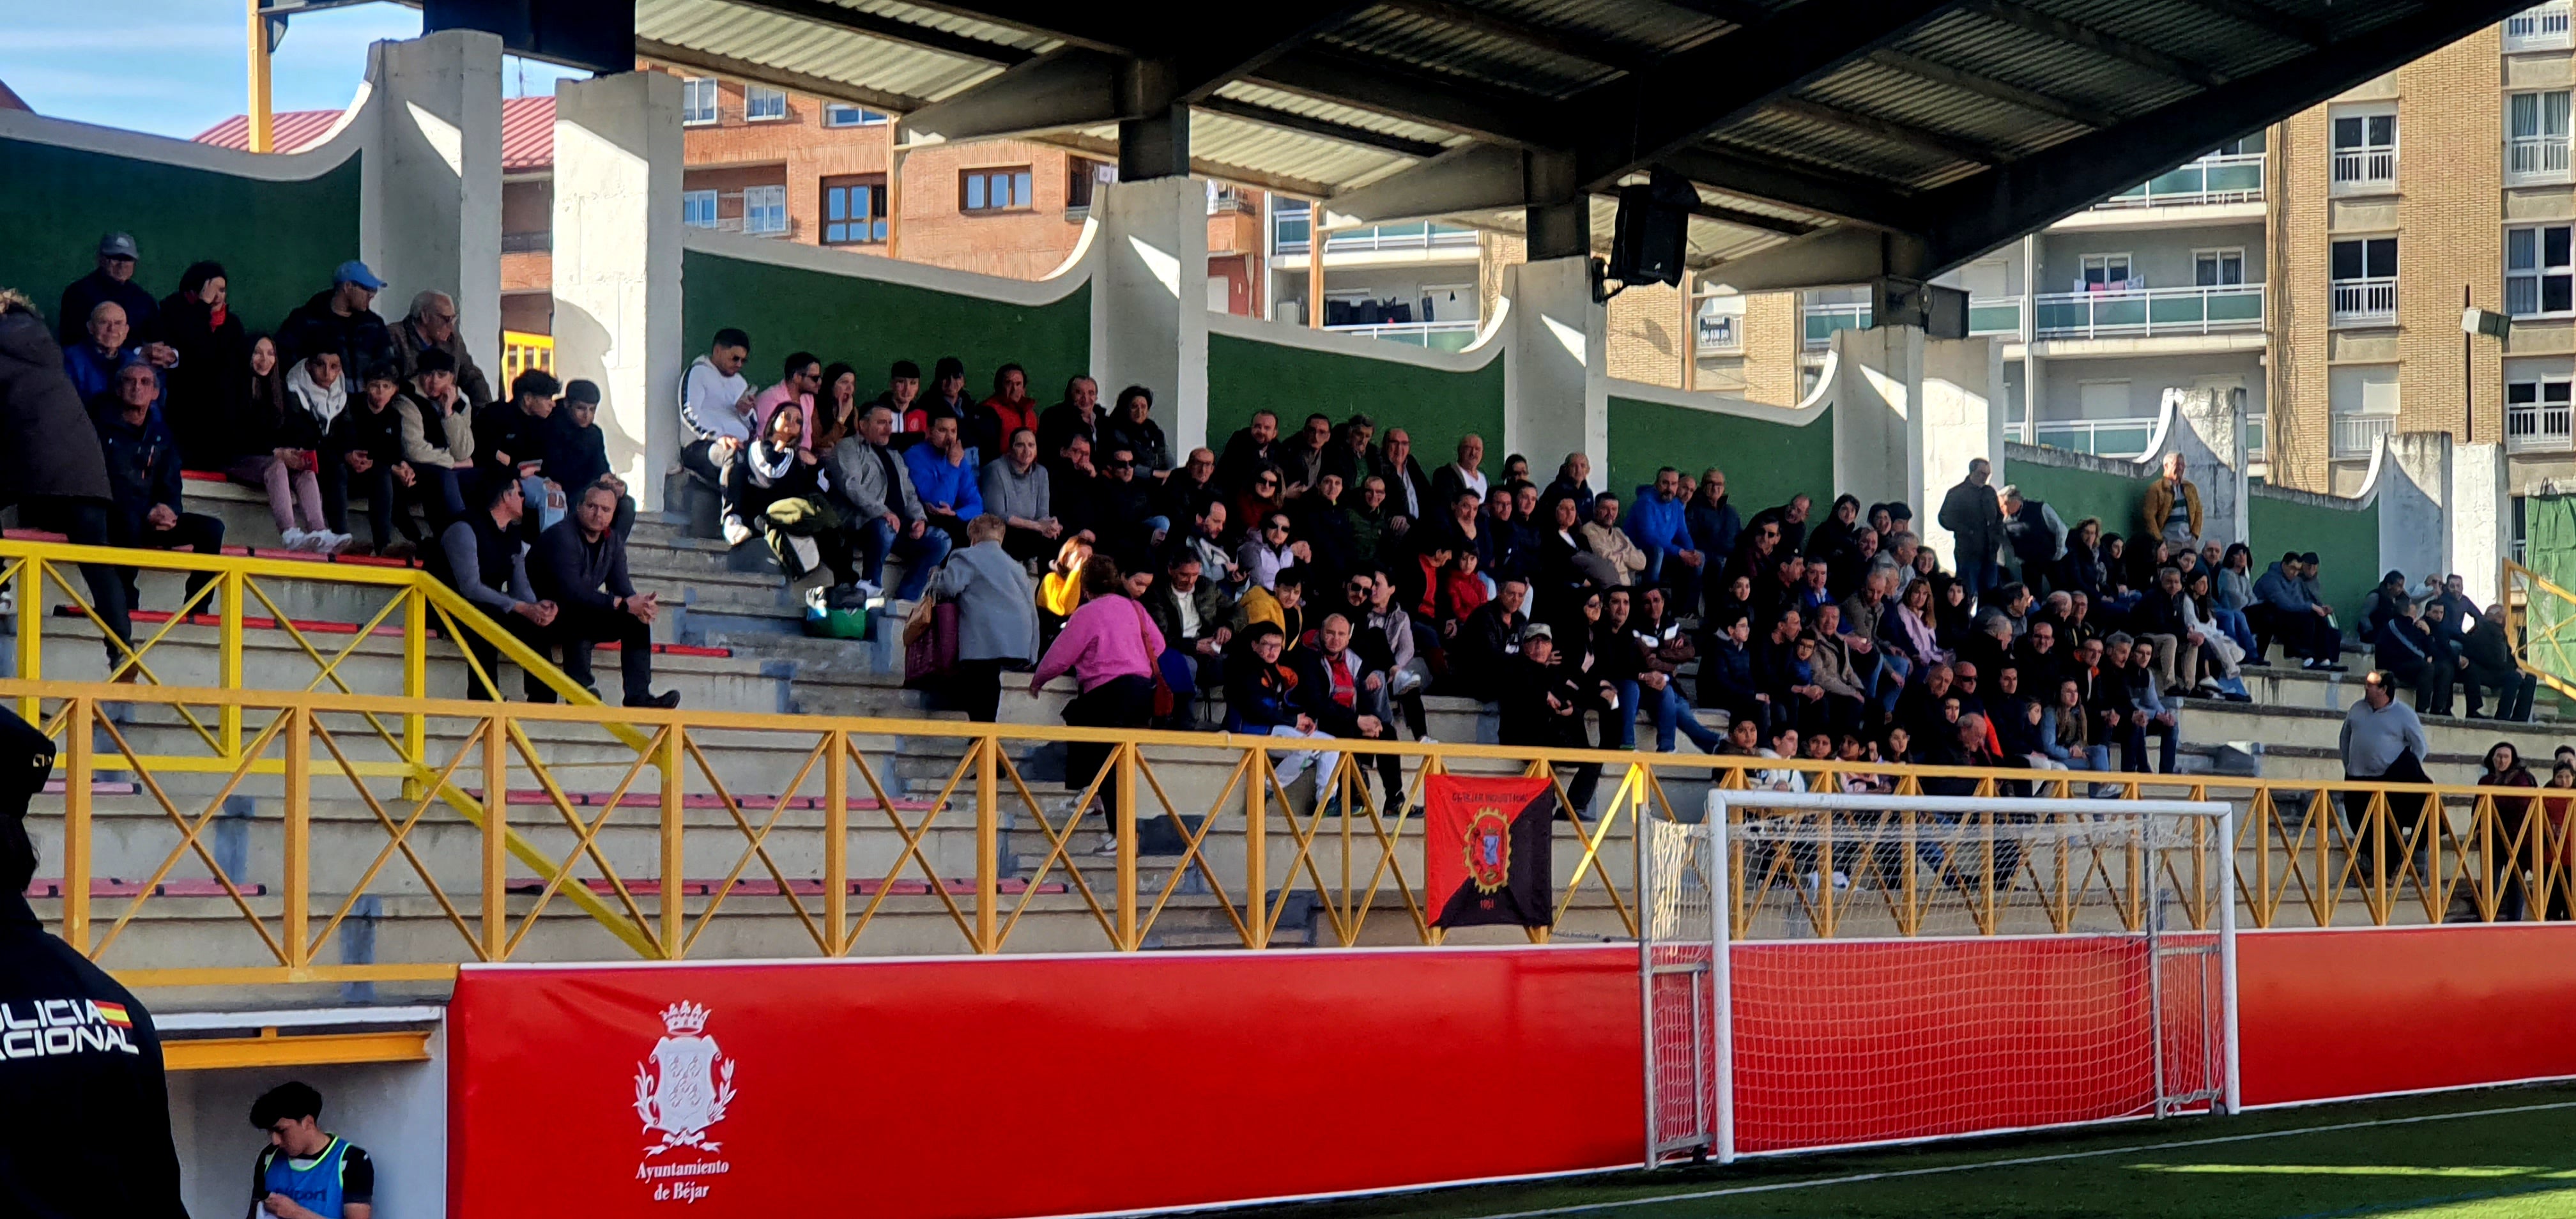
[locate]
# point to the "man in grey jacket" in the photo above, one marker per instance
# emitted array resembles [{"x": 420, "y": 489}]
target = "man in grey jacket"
[
  {"x": 885, "y": 511},
  {"x": 997, "y": 616},
  {"x": 2383, "y": 742}
]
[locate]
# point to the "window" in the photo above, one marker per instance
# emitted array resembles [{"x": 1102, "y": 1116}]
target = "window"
[
  {"x": 697, "y": 100},
  {"x": 854, "y": 210},
  {"x": 2536, "y": 405},
  {"x": 2536, "y": 137},
  {"x": 2242, "y": 146},
  {"x": 2218, "y": 268},
  {"x": 1084, "y": 176},
  {"x": 2538, "y": 275},
  {"x": 2103, "y": 272},
  {"x": 2365, "y": 281},
  {"x": 698, "y": 209},
  {"x": 764, "y": 209},
  {"x": 2542, "y": 27},
  {"x": 1720, "y": 322},
  {"x": 2365, "y": 149},
  {"x": 762, "y": 104},
  {"x": 842, "y": 114},
  {"x": 995, "y": 190}
]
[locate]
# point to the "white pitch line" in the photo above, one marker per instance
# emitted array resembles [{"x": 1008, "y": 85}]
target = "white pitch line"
[{"x": 2017, "y": 1162}]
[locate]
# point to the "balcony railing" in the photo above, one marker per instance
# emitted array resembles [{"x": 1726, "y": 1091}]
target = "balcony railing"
[
  {"x": 2365, "y": 302},
  {"x": 2234, "y": 178},
  {"x": 2355, "y": 436},
  {"x": 1823, "y": 320},
  {"x": 2368, "y": 167},
  {"x": 538, "y": 242},
  {"x": 2099, "y": 437},
  {"x": 2542, "y": 27},
  {"x": 2536, "y": 159},
  {"x": 1995, "y": 315},
  {"x": 2141, "y": 312},
  {"x": 2541, "y": 428},
  {"x": 1293, "y": 233},
  {"x": 1720, "y": 333},
  {"x": 1438, "y": 336}
]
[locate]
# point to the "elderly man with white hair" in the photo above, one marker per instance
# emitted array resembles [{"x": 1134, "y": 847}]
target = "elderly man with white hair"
[{"x": 431, "y": 325}]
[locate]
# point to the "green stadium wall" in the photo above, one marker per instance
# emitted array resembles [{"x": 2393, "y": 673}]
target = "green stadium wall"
[
  {"x": 1434, "y": 405},
  {"x": 1766, "y": 461},
  {"x": 2076, "y": 486},
  {"x": 2343, "y": 533}
]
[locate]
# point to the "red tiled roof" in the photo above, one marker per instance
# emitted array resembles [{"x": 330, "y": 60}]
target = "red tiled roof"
[
  {"x": 527, "y": 132},
  {"x": 9, "y": 100}
]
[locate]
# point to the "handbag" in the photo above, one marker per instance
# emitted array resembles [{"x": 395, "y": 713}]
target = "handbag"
[
  {"x": 930, "y": 653},
  {"x": 1163, "y": 698}
]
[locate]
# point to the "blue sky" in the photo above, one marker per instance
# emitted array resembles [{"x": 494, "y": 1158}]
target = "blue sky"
[{"x": 176, "y": 67}]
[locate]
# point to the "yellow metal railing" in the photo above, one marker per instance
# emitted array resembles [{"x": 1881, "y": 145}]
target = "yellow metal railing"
[
  {"x": 2540, "y": 619},
  {"x": 731, "y": 834},
  {"x": 521, "y": 351}
]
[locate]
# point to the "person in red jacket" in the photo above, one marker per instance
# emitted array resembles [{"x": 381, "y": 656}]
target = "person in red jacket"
[{"x": 1007, "y": 411}]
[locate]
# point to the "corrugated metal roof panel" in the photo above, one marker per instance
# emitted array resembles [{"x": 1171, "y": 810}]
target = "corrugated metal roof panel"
[
  {"x": 2029, "y": 60},
  {"x": 806, "y": 48},
  {"x": 1902, "y": 97},
  {"x": 1255, "y": 147},
  {"x": 1655, "y": 26},
  {"x": 289, "y": 131},
  {"x": 1331, "y": 112},
  {"x": 527, "y": 134},
  {"x": 1473, "y": 58}
]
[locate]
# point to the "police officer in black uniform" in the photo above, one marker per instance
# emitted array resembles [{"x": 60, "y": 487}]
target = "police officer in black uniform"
[{"x": 84, "y": 1111}]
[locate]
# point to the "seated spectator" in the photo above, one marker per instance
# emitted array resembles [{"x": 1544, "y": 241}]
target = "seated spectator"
[
  {"x": 480, "y": 556},
  {"x": 2486, "y": 652},
  {"x": 203, "y": 383},
  {"x": 362, "y": 449},
  {"x": 836, "y": 408},
  {"x": 1505, "y": 548},
  {"x": 2069, "y": 733},
  {"x": 2405, "y": 649},
  {"x": 437, "y": 438},
  {"x": 1261, "y": 698},
  {"x": 1249, "y": 449},
  {"x": 1194, "y": 615},
  {"x": 1388, "y": 635},
  {"x": 1464, "y": 474},
  {"x": 2383, "y": 603},
  {"x": 1353, "y": 453},
  {"x": 1618, "y": 552},
  {"x": 1007, "y": 411},
  {"x": 1542, "y": 706},
  {"x": 1662, "y": 648},
  {"x": 577, "y": 449},
  {"x": 143, "y": 478},
  {"x": 2285, "y": 611},
  {"x": 1131, "y": 427},
  {"x": 1566, "y": 565},
  {"x": 1659, "y": 524},
  {"x": 1574, "y": 482},
  {"x": 1267, "y": 552},
  {"x": 800, "y": 378},
  {"x": 432, "y": 326},
  {"x": 1487, "y": 639},
  {"x": 1014, "y": 488},
  {"x": 997, "y": 616},
  {"x": 1077, "y": 416},
  {"x": 94, "y": 364},
  {"x": 947, "y": 397},
  {"x": 943, "y": 478},
  {"x": 2161, "y": 618},
  {"x": 342, "y": 320},
  {"x": 1409, "y": 493},
  {"x": 580, "y": 568},
  {"x": 787, "y": 493},
  {"x": 112, "y": 282},
  {"x": 2219, "y": 655},
  {"x": 1124, "y": 507},
  {"x": 282, "y": 450},
  {"x": 1282, "y": 605},
  {"x": 1727, "y": 680},
  {"x": 1348, "y": 699},
  {"x": 1194, "y": 484},
  {"x": 1073, "y": 487},
  {"x": 1792, "y": 519},
  {"x": 1363, "y": 520},
  {"x": 885, "y": 511},
  {"x": 511, "y": 438},
  {"x": 715, "y": 402},
  {"x": 1301, "y": 457},
  {"x": 1253, "y": 504},
  {"x": 1461, "y": 594}
]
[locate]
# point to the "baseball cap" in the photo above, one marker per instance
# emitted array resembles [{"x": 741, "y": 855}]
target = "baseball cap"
[
  {"x": 1538, "y": 630},
  {"x": 116, "y": 245},
  {"x": 356, "y": 272}
]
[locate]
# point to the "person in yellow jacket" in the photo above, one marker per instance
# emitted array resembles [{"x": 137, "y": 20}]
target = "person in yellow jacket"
[{"x": 2172, "y": 508}]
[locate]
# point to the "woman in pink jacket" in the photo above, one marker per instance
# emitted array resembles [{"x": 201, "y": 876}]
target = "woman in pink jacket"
[{"x": 1109, "y": 645}]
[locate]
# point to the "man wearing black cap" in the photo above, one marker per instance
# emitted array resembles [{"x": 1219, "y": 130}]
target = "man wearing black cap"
[
  {"x": 111, "y": 284},
  {"x": 90, "y": 1132}
]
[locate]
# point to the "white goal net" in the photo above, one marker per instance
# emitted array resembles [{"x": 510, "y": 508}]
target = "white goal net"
[{"x": 1826, "y": 971}]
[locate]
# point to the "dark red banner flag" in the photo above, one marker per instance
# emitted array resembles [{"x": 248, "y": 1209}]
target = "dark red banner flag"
[{"x": 1487, "y": 844}]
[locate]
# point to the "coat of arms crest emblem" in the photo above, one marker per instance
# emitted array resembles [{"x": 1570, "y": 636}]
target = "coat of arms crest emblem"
[
  {"x": 1489, "y": 850},
  {"x": 686, "y": 1086}
]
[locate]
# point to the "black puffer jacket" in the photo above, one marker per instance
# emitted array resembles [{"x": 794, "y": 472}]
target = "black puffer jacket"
[{"x": 47, "y": 446}]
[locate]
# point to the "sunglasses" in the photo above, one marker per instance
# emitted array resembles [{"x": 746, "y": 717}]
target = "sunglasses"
[{"x": 1265, "y": 482}]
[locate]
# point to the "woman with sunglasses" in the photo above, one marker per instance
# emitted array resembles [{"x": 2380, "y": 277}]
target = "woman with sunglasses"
[{"x": 1265, "y": 492}]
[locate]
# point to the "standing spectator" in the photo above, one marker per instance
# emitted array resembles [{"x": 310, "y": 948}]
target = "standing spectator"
[
  {"x": 1542, "y": 706},
  {"x": 1409, "y": 493},
  {"x": 800, "y": 377},
  {"x": 2034, "y": 535},
  {"x": 143, "y": 474},
  {"x": 997, "y": 616},
  {"x": 362, "y": 448},
  {"x": 1975, "y": 521},
  {"x": 2285, "y": 611},
  {"x": 1247, "y": 451},
  {"x": 283, "y": 445},
  {"x": 2503, "y": 854},
  {"x": 1007, "y": 411},
  {"x": 2172, "y": 507},
  {"x": 715, "y": 401},
  {"x": 943, "y": 477},
  {"x": 2382, "y": 741},
  {"x": 108, "y": 345},
  {"x": 111, "y": 284},
  {"x": 437, "y": 438},
  {"x": 1348, "y": 699},
  {"x": 1131, "y": 427},
  {"x": 886, "y": 511},
  {"x": 1619, "y": 553},
  {"x": 2487, "y": 650},
  {"x": 1193, "y": 613},
  {"x": 51, "y": 464},
  {"x": 341, "y": 320},
  {"x": 306, "y": 1172},
  {"x": 1014, "y": 488},
  {"x": 1109, "y": 645},
  {"x": 1464, "y": 474},
  {"x": 786, "y": 492},
  {"x": 431, "y": 325},
  {"x": 205, "y": 381},
  {"x": 480, "y": 556},
  {"x": 1078, "y": 415},
  {"x": 580, "y": 568}
]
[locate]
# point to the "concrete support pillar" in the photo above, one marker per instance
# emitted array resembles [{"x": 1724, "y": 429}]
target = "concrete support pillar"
[
  {"x": 430, "y": 198},
  {"x": 1556, "y": 396},
  {"x": 618, "y": 158},
  {"x": 1149, "y": 303},
  {"x": 2481, "y": 515},
  {"x": 1156, "y": 145},
  {"x": 2414, "y": 494},
  {"x": 1961, "y": 419},
  {"x": 2209, "y": 432},
  {"x": 1879, "y": 375}
]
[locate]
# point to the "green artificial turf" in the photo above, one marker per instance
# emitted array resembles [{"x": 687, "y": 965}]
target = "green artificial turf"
[{"x": 2498, "y": 1154}]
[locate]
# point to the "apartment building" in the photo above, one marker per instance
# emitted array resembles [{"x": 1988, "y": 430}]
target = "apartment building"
[{"x": 1419, "y": 283}]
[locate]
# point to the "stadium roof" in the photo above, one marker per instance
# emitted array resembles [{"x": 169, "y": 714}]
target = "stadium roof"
[
  {"x": 1830, "y": 140},
  {"x": 527, "y": 132}
]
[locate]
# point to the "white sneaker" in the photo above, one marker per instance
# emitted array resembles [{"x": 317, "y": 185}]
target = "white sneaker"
[
  {"x": 868, "y": 591},
  {"x": 736, "y": 533},
  {"x": 296, "y": 539},
  {"x": 334, "y": 543}
]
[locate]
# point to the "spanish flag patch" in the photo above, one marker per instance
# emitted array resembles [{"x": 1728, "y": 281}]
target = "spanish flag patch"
[{"x": 113, "y": 1013}]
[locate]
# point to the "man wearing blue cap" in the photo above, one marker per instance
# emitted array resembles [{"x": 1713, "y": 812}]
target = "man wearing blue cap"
[{"x": 340, "y": 320}]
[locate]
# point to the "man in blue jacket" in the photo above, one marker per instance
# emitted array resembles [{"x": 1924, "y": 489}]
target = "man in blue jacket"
[
  {"x": 143, "y": 477},
  {"x": 1656, "y": 524},
  {"x": 2284, "y": 609},
  {"x": 944, "y": 476}
]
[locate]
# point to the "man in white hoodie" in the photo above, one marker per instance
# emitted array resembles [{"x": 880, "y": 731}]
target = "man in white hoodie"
[{"x": 715, "y": 403}]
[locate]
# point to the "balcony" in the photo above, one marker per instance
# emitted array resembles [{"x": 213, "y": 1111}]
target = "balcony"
[
  {"x": 2147, "y": 312},
  {"x": 2365, "y": 169},
  {"x": 1292, "y": 233},
  {"x": 1720, "y": 334},
  {"x": 757, "y": 226},
  {"x": 2535, "y": 160},
  {"x": 2365, "y": 302},
  {"x": 1821, "y": 321},
  {"x": 2114, "y": 438},
  {"x": 2542, "y": 27},
  {"x": 1995, "y": 315},
  {"x": 2236, "y": 178},
  {"x": 1438, "y": 336},
  {"x": 2537, "y": 428},
  {"x": 2356, "y": 436}
]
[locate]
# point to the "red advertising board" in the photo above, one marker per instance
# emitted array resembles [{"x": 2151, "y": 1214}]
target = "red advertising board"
[{"x": 1006, "y": 1086}]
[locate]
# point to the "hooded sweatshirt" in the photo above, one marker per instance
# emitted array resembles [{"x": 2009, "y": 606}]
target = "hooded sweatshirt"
[{"x": 2287, "y": 594}]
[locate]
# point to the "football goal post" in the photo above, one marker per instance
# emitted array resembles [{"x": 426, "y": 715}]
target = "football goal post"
[{"x": 1828, "y": 971}]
